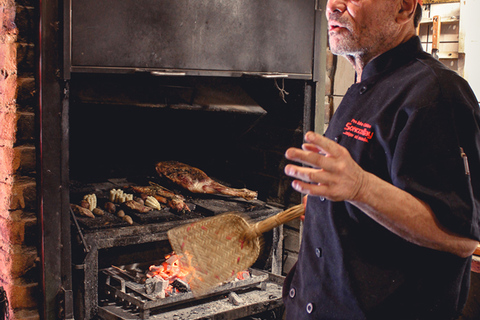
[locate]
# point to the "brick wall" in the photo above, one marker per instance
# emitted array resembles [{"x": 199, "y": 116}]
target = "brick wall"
[
  {"x": 18, "y": 222},
  {"x": 8, "y": 78}
]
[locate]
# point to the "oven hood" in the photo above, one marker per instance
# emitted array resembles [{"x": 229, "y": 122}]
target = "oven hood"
[{"x": 268, "y": 38}]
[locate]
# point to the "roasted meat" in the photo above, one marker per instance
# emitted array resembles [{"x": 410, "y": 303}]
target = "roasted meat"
[
  {"x": 163, "y": 195},
  {"x": 136, "y": 206},
  {"x": 81, "y": 211},
  {"x": 197, "y": 181}
]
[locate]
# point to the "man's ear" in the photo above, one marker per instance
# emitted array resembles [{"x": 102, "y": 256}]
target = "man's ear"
[{"x": 407, "y": 11}]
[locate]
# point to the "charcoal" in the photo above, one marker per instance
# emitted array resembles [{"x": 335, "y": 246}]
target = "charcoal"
[
  {"x": 235, "y": 299},
  {"x": 156, "y": 286},
  {"x": 181, "y": 285}
]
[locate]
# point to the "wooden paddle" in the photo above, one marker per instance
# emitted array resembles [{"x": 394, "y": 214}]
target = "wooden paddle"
[{"x": 215, "y": 249}]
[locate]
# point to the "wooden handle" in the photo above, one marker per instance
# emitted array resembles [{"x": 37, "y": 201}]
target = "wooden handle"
[
  {"x": 278, "y": 219},
  {"x": 436, "y": 33}
]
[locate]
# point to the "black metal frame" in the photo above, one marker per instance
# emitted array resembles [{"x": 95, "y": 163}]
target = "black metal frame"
[
  {"x": 87, "y": 273},
  {"x": 52, "y": 153},
  {"x": 263, "y": 290},
  {"x": 182, "y": 32},
  {"x": 53, "y": 146}
]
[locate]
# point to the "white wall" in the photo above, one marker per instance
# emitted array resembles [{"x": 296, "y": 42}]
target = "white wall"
[{"x": 470, "y": 34}]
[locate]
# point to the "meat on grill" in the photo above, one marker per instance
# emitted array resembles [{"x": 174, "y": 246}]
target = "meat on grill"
[
  {"x": 197, "y": 181},
  {"x": 174, "y": 201}
]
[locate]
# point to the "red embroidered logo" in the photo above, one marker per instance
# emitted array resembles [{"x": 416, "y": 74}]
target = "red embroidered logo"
[{"x": 358, "y": 130}]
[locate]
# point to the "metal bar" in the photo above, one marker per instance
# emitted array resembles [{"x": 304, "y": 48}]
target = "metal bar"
[
  {"x": 320, "y": 43},
  {"x": 88, "y": 306},
  {"x": 321, "y": 63},
  {"x": 167, "y": 73},
  {"x": 265, "y": 297},
  {"x": 67, "y": 38},
  {"x": 188, "y": 72},
  {"x": 80, "y": 233},
  {"x": 308, "y": 106},
  {"x": 67, "y": 305},
  {"x": 149, "y": 301},
  {"x": 277, "y": 250},
  {"x": 53, "y": 197}
]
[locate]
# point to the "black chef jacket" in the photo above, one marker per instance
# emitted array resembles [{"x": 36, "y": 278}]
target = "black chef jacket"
[{"x": 415, "y": 124}]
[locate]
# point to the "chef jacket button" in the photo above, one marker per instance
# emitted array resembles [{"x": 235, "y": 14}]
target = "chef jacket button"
[
  {"x": 309, "y": 308},
  {"x": 292, "y": 293},
  {"x": 318, "y": 252},
  {"x": 335, "y": 139},
  {"x": 363, "y": 89},
  {"x": 322, "y": 199}
]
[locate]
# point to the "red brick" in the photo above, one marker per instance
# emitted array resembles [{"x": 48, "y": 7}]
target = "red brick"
[
  {"x": 9, "y": 12},
  {"x": 5, "y": 195},
  {"x": 7, "y": 161},
  {"x": 8, "y": 35},
  {"x": 2, "y": 14},
  {"x": 25, "y": 127},
  {"x": 8, "y": 121},
  {"x": 19, "y": 226},
  {"x": 22, "y": 260},
  {"x": 8, "y": 56},
  {"x": 24, "y": 295},
  {"x": 26, "y": 93},
  {"x": 8, "y": 89},
  {"x": 25, "y": 59},
  {"x": 23, "y": 195},
  {"x": 24, "y": 159},
  {"x": 5, "y": 262},
  {"x": 24, "y": 314},
  {"x": 6, "y": 178}
]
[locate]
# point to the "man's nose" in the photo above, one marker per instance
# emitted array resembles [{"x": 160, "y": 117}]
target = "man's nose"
[{"x": 335, "y": 6}]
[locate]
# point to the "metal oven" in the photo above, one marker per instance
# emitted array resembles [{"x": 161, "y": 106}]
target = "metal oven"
[{"x": 223, "y": 85}]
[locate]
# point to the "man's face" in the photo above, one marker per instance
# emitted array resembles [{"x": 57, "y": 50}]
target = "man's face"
[{"x": 360, "y": 27}]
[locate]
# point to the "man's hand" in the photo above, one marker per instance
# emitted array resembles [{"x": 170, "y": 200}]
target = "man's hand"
[{"x": 332, "y": 174}]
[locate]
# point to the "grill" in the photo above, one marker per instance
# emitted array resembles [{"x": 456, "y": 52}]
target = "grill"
[
  {"x": 155, "y": 80},
  {"x": 108, "y": 240},
  {"x": 124, "y": 297}
]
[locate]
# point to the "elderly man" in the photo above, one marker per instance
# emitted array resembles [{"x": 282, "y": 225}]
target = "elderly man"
[{"x": 392, "y": 216}]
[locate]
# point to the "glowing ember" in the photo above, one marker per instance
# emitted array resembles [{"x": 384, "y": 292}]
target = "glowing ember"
[
  {"x": 243, "y": 275},
  {"x": 172, "y": 269},
  {"x": 177, "y": 271}
]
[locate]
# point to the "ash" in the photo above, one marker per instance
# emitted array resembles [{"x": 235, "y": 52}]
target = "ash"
[{"x": 224, "y": 308}]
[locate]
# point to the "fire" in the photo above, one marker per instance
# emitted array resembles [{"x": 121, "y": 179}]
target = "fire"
[
  {"x": 178, "y": 267},
  {"x": 174, "y": 267},
  {"x": 243, "y": 275}
]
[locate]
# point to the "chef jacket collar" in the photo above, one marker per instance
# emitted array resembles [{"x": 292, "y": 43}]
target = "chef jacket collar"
[{"x": 393, "y": 58}]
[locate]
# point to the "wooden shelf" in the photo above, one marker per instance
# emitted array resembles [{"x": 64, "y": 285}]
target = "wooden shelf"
[{"x": 444, "y": 20}]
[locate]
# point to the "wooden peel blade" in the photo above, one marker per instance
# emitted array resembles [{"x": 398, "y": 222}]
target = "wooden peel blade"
[{"x": 215, "y": 249}]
